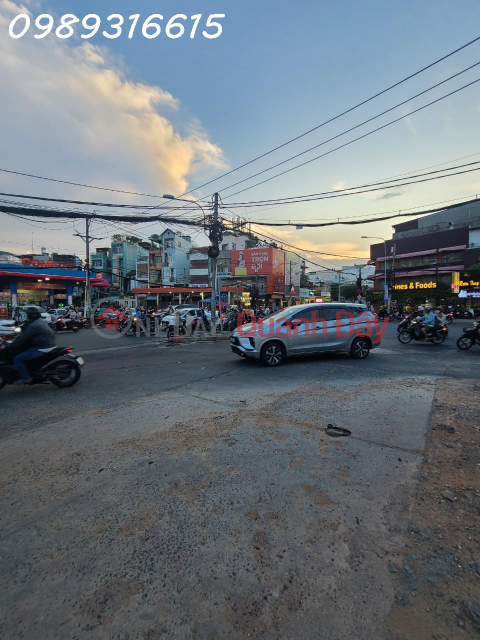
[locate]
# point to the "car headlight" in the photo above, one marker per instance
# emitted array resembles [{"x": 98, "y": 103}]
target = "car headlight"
[{"x": 17, "y": 330}]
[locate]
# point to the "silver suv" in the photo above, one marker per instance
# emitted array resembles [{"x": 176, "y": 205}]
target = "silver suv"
[{"x": 308, "y": 328}]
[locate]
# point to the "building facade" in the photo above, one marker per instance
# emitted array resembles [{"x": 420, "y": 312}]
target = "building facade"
[
  {"x": 48, "y": 283},
  {"x": 176, "y": 261},
  {"x": 429, "y": 254},
  {"x": 124, "y": 263},
  {"x": 101, "y": 260},
  {"x": 199, "y": 268}
]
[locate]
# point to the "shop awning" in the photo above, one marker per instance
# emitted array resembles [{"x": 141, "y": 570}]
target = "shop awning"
[{"x": 458, "y": 248}]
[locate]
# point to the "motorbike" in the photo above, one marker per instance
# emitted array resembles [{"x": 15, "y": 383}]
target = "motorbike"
[
  {"x": 449, "y": 319},
  {"x": 132, "y": 329},
  {"x": 66, "y": 325},
  {"x": 405, "y": 323},
  {"x": 57, "y": 366},
  {"x": 182, "y": 329},
  {"x": 437, "y": 334},
  {"x": 471, "y": 336}
]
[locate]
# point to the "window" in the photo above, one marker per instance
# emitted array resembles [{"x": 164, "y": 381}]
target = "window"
[
  {"x": 224, "y": 247},
  {"x": 308, "y": 315},
  {"x": 327, "y": 313},
  {"x": 234, "y": 246}
]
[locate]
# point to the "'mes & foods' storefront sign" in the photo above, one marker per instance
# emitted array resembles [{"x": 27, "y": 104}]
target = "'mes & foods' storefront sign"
[{"x": 414, "y": 285}]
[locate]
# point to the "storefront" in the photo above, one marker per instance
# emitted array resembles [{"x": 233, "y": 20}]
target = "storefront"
[
  {"x": 466, "y": 288},
  {"x": 42, "y": 286}
]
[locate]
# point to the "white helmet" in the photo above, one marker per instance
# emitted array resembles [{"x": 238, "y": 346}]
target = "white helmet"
[{"x": 421, "y": 308}]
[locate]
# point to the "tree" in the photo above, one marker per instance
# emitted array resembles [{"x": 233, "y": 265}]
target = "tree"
[
  {"x": 475, "y": 267},
  {"x": 155, "y": 239},
  {"x": 304, "y": 281},
  {"x": 130, "y": 239},
  {"x": 347, "y": 291},
  {"x": 252, "y": 242}
]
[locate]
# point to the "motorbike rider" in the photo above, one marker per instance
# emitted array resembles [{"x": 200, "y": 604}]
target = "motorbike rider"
[
  {"x": 428, "y": 321},
  {"x": 440, "y": 316},
  {"x": 36, "y": 339}
]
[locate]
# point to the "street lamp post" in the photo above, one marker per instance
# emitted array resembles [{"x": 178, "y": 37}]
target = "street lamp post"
[{"x": 386, "y": 291}]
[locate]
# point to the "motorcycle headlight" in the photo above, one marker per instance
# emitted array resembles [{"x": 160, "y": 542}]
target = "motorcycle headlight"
[{"x": 17, "y": 330}]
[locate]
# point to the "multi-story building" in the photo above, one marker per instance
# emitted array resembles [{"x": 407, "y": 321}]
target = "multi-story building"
[
  {"x": 234, "y": 242},
  {"x": 430, "y": 254},
  {"x": 141, "y": 276},
  {"x": 199, "y": 267},
  {"x": 101, "y": 260},
  {"x": 155, "y": 267},
  {"x": 176, "y": 263},
  {"x": 124, "y": 262}
]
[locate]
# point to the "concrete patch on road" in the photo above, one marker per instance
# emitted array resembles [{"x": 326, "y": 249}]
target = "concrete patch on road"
[{"x": 181, "y": 515}]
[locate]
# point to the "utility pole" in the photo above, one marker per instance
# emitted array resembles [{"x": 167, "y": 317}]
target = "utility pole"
[
  {"x": 339, "y": 284},
  {"x": 215, "y": 235},
  {"x": 87, "y": 268},
  {"x": 87, "y": 238}
]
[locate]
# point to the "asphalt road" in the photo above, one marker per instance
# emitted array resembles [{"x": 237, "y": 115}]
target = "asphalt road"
[
  {"x": 120, "y": 370},
  {"x": 179, "y": 491}
]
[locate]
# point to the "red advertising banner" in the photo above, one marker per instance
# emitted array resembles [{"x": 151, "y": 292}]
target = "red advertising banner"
[{"x": 267, "y": 262}]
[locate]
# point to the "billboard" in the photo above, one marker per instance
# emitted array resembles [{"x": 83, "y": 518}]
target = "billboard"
[{"x": 267, "y": 262}]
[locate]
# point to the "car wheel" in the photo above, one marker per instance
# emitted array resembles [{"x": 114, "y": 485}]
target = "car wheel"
[
  {"x": 360, "y": 349},
  {"x": 464, "y": 343},
  {"x": 3, "y": 382},
  {"x": 405, "y": 337},
  {"x": 273, "y": 354}
]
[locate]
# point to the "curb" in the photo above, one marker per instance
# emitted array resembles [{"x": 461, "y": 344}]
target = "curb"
[{"x": 177, "y": 339}]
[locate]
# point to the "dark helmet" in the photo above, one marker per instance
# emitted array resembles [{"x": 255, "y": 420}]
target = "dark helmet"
[{"x": 33, "y": 313}]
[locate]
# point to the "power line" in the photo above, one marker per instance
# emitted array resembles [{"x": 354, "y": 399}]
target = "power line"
[
  {"x": 148, "y": 195},
  {"x": 429, "y": 104},
  {"x": 95, "y": 204},
  {"x": 301, "y": 223},
  {"x": 79, "y": 184},
  {"x": 245, "y": 164},
  {"x": 72, "y": 215},
  {"x": 337, "y": 193},
  {"x": 367, "y": 220}
]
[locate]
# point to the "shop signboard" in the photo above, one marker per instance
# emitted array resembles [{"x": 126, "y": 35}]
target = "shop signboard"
[
  {"x": 415, "y": 285},
  {"x": 456, "y": 281},
  {"x": 469, "y": 284}
]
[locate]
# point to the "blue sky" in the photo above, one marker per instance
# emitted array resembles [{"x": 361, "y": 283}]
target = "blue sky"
[{"x": 278, "y": 69}]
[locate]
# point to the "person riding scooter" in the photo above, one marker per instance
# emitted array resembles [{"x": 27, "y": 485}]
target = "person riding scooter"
[
  {"x": 428, "y": 321},
  {"x": 35, "y": 340}
]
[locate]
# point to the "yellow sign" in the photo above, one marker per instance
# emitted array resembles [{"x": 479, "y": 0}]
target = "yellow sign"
[
  {"x": 456, "y": 281},
  {"x": 415, "y": 285}
]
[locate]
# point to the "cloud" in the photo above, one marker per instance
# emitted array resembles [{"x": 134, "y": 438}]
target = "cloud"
[
  {"x": 293, "y": 237},
  {"x": 73, "y": 113},
  {"x": 338, "y": 186},
  {"x": 389, "y": 194}
]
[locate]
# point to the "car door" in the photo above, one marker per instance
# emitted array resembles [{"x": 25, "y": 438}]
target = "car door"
[
  {"x": 302, "y": 338},
  {"x": 328, "y": 336}
]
